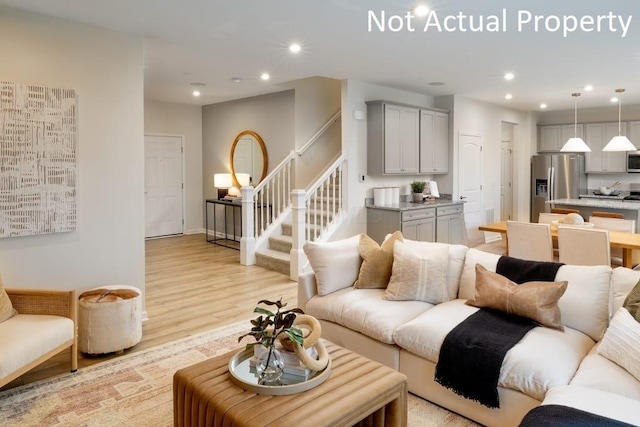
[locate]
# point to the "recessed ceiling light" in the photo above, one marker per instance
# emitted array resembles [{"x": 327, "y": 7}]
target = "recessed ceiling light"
[
  {"x": 588, "y": 88},
  {"x": 508, "y": 96},
  {"x": 421, "y": 10},
  {"x": 196, "y": 93},
  {"x": 614, "y": 99},
  {"x": 436, "y": 83},
  {"x": 236, "y": 79},
  {"x": 509, "y": 76},
  {"x": 543, "y": 106},
  {"x": 265, "y": 76},
  {"x": 294, "y": 47}
]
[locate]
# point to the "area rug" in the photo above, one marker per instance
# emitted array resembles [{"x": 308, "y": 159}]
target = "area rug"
[{"x": 136, "y": 389}]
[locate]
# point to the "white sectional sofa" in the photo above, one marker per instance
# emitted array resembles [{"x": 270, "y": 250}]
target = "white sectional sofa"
[{"x": 407, "y": 335}]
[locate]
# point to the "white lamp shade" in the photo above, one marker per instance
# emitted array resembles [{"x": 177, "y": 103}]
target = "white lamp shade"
[
  {"x": 243, "y": 179},
  {"x": 222, "y": 180},
  {"x": 619, "y": 143},
  {"x": 575, "y": 145}
]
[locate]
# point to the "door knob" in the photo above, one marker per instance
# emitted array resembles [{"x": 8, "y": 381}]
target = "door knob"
[{"x": 463, "y": 197}]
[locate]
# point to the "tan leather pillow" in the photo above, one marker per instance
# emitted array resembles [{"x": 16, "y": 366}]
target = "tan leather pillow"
[
  {"x": 377, "y": 261},
  {"x": 537, "y": 301},
  {"x": 6, "y": 308}
]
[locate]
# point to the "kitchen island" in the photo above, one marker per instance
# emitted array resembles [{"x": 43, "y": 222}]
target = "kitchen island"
[{"x": 630, "y": 209}]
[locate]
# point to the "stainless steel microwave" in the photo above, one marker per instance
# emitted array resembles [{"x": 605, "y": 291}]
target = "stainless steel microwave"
[{"x": 633, "y": 161}]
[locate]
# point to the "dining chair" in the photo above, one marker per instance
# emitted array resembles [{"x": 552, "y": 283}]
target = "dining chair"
[
  {"x": 548, "y": 218},
  {"x": 607, "y": 215},
  {"x": 616, "y": 224},
  {"x": 584, "y": 246},
  {"x": 564, "y": 211},
  {"x": 529, "y": 240}
]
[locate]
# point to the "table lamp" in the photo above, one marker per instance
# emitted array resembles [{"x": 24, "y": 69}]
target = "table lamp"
[{"x": 222, "y": 181}]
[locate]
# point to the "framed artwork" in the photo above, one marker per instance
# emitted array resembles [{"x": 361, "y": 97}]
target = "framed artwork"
[{"x": 38, "y": 160}]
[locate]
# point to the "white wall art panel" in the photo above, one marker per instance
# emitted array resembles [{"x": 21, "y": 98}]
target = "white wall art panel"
[{"x": 37, "y": 160}]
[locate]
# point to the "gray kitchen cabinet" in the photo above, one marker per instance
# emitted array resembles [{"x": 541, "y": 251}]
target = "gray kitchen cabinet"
[
  {"x": 434, "y": 142},
  {"x": 450, "y": 224},
  {"x": 551, "y": 138},
  {"x": 393, "y": 138},
  {"x": 598, "y": 161},
  {"x": 634, "y": 133},
  {"x": 415, "y": 224}
]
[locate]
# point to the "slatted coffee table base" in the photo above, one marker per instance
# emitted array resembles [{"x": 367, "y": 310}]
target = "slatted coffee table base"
[{"x": 358, "y": 392}]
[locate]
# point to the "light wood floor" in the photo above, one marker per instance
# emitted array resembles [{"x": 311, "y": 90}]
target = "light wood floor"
[{"x": 191, "y": 286}]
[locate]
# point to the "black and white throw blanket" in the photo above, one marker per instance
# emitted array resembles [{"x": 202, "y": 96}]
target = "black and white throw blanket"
[
  {"x": 472, "y": 353},
  {"x": 566, "y": 416}
]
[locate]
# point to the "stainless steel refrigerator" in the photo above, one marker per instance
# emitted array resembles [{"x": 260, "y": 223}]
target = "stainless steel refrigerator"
[{"x": 555, "y": 176}]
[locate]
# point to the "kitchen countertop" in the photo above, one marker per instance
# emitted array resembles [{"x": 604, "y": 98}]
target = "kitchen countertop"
[
  {"x": 407, "y": 206},
  {"x": 599, "y": 203}
]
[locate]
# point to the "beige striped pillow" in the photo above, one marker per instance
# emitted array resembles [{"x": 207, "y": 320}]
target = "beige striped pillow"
[{"x": 6, "y": 308}]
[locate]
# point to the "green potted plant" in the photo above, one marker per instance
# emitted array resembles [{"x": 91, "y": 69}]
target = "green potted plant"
[
  {"x": 417, "y": 188},
  {"x": 265, "y": 330}
]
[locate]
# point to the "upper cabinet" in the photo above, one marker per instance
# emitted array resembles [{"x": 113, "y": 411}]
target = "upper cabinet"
[
  {"x": 551, "y": 138},
  {"x": 402, "y": 139},
  {"x": 434, "y": 142},
  {"x": 598, "y": 161},
  {"x": 634, "y": 133}
]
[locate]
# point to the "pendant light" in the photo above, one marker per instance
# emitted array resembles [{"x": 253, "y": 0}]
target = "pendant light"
[
  {"x": 575, "y": 144},
  {"x": 620, "y": 142}
]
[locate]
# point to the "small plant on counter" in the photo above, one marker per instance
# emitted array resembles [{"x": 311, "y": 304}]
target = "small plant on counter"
[{"x": 418, "y": 186}]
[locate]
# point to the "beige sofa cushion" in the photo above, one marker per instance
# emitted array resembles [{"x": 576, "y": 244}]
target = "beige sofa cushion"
[
  {"x": 377, "y": 260},
  {"x": 600, "y": 373},
  {"x": 585, "y": 303},
  {"x": 37, "y": 335},
  {"x": 336, "y": 264},
  {"x": 622, "y": 281},
  {"x": 468, "y": 277},
  {"x": 610, "y": 405},
  {"x": 364, "y": 311},
  {"x": 418, "y": 276},
  {"x": 537, "y": 301},
  {"x": 544, "y": 358}
]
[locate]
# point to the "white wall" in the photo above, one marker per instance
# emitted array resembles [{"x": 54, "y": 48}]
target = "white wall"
[
  {"x": 271, "y": 116},
  {"x": 106, "y": 70},
  {"x": 165, "y": 118},
  {"x": 317, "y": 99},
  {"x": 354, "y": 146}
]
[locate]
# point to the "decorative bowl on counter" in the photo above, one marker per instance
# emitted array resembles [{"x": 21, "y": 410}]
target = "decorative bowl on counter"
[{"x": 606, "y": 191}]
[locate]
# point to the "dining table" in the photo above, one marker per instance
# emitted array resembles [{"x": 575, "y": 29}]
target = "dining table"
[{"x": 628, "y": 242}]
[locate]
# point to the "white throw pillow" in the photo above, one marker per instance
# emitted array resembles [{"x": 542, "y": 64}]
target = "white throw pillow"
[
  {"x": 621, "y": 342},
  {"x": 456, "y": 262},
  {"x": 622, "y": 281},
  {"x": 419, "y": 276},
  {"x": 468, "y": 278},
  {"x": 335, "y": 264}
]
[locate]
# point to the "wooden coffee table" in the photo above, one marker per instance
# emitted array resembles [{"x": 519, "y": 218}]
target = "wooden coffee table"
[{"x": 357, "y": 389}]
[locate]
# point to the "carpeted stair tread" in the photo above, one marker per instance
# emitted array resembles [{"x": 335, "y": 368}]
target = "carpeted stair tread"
[
  {"x": 281, "y": 243},
  {"x": 274, "y": 260}
]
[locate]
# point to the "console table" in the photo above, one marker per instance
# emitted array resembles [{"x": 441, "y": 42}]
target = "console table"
[
  {"x": 225, "y": 240},
  {"x": 358, "y": 389}
]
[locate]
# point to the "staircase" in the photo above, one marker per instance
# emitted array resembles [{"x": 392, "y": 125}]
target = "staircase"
[{"x": 278, "y": 255}]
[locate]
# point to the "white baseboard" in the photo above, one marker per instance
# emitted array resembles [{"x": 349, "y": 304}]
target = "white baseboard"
[{"x": 194, "y": 231}]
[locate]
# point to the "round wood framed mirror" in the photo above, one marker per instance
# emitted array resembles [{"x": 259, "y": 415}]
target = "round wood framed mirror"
[{"x": 249, "y": 156}]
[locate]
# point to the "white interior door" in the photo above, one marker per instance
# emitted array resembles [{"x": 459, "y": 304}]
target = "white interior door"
[
  {"x": 470, "y": 183},
  {"x": 163, "y": 185}
]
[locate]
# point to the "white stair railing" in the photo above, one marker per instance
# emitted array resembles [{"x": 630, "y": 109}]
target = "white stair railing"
[
  {"x": 315, "y": 210},
  {"x": 264, "y": 206}
]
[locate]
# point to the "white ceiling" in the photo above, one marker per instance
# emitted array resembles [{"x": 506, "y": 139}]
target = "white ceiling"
[{"x": 211, "y": 41}]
